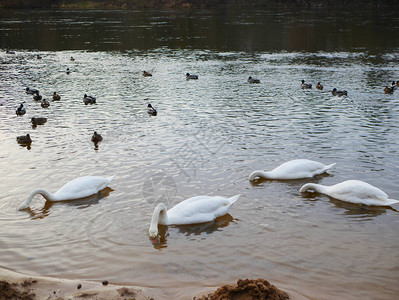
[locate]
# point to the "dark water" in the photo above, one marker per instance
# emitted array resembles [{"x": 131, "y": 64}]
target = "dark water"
[{"x": 208, "y": 136}]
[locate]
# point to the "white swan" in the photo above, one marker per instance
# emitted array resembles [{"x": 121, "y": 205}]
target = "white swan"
[
  {"x": 354, "y": 191},
  {"x": 198, "y": 209},
  {"x": 78, "y": 188},
  {"x": 293, "y": 169}
]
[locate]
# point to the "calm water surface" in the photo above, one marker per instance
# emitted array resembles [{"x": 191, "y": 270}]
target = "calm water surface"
[{"x": 208, "y": 136}]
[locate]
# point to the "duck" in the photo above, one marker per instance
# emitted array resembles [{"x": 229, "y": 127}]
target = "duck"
[
  {"x": 45, "y": 103},
  {"x": 38, "y": 56},
  {"x": 151, "y": 110},
  {"x": 319, "y": 86},
  {"x": 38, "y": 121},
  {"x": 293, "y": 169},
  {"x": 68, "y": 71},
  {"x": 37, "y": 97},
  {"x": 393, "y": 85},
  {"x": 9, "y": 52},
  {"x": 21, "y": 110},
  {"x": 24, "y": 139},
  {"x": 305, "y": 85},
  {"x": 88, "y": 99},
  {"x": 146, "y": 74},
  {"x": 78, "y": 188},
  {"x": 31, "y": 91},
  {"x": 198, "y": 209},
  {"x": 72, "y": 59},
  {"x": 189, "y": 76},
  {"x": 353, "y": 191},
  {"x": 388, "y": 90},
  {"x": 96, "y": 137},
  {"x": 253, "y": 80},
  {"x": 56, "y": 97},
  {"x": 336, "y": 92}
]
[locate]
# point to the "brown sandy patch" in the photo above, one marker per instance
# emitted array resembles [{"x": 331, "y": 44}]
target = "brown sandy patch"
[
  {"x": 10, "y": 291},
  {"x": 247, "y": 289}
]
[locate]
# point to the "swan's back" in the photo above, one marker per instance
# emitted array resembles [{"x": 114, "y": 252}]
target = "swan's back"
[
  {"x": 82, "y": 187},
  {"x": 357, "y": 191},
  {"x": 299, "y": 168},
  {"x": 200, "y": 209}
]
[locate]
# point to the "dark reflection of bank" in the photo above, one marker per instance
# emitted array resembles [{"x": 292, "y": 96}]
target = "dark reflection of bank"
[
  {"x": 79, "y": 203},
  {"x": 192, "y": 229}
]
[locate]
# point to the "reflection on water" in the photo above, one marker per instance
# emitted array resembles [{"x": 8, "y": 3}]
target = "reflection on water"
[
  {"x": 208, "y": 136},
  {"x": 201, "y": 230}
]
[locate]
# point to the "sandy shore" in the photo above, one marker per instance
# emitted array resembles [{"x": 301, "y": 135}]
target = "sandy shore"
[
  {"x": 26, "y": 287},
  {"x": 15, "y": 285}
]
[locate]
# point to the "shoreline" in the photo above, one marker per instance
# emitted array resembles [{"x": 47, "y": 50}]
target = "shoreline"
[{"x": 16, "y": 285}]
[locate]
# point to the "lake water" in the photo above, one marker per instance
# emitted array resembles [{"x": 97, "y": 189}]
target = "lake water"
[{"x": 208, "y": 136}]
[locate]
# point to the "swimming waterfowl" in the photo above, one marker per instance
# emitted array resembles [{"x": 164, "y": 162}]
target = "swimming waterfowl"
[
  {"x": 397, "y": 83},
  {"x": 146, "y": 74},
  {"x": 21, "y": 110},
  {"x": 38, "y": 121},
  {"x": 37, "y": 97},
  {"x": 393, "y": 85},
  {"x": 38, "y": 56},
  {"x": 305, "y": 85},
  {"x": 293, "y": 169},
  {"x": 189, "y": 76},
  {"x": 31, "y": 91},
  {"x": 319, "y": 86},
  {"x": 388, "y": 90},
  {"x": 88, "y": 99},
  {"x": 10, "y": 52},
  {"x": 336, "y": 92},
  {"x": 24, "y": 139},
  {"x": 253, "y": 80},
  {"x": 151, "y": 110},
  {"x": 72, "y": 59},
  {"x": 96, "y": 137},
  {"x": 78, "y": 188},
  {"x": 199, "y": 209},
  {"x": 68, "y": 71},
  {"x": 56, "y": 97},
  {"x": 45, "y": 103},
  {"x": 353, "y": 191}
]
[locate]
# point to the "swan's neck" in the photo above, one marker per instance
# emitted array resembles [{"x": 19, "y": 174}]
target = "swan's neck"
[
  {"x": 160, "y": 215},
  {"x": 318, "y": 188},
  {"x": 46, "y": 194},
  {"x": 260, "y": 174}
]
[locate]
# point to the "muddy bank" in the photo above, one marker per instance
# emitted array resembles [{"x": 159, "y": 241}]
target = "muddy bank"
[{"x": 23, "y": 287}]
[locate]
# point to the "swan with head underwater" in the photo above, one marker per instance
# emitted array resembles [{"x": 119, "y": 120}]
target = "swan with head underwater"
[
  {"x": 293, "y": 169},
  {"x": 198, "y": 209},
  {"x": 353, "y": 191},
  {"x": 78, "y": 188}
]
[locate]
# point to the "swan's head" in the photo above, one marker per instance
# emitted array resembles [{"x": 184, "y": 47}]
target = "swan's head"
[
  {"x": 303, "y": 81},
  {"x": 307, "y": 187},
  {"x": 149, "y": 105},
  {"x": 153, "y": 232},
  {"x": 255, "y": 174},
  {"x": 85, "y": 96}
]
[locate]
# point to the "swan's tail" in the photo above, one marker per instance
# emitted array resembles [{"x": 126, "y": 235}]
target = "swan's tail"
[
  {"x": 330, "y": 166},
  {"x": 110, "y": 178},
  {"x": 234, "y": 199}
]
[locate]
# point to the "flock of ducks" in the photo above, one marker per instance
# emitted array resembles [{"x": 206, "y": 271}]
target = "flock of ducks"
[
  {"x": 201, "y": 209},
  {"x": 391, "y": 88}
]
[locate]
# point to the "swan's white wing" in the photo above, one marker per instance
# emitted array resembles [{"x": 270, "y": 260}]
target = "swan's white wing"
[
  {"x": 357, "y": 191},
  {"x": 82, "y": 187},
  {"x": 199, "y": 209},
  {"x": 298, "y": 168}
]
